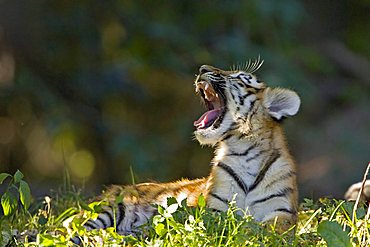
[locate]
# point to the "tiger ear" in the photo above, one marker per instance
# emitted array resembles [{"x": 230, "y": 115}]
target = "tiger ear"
[{"x": 281, "y": 102}]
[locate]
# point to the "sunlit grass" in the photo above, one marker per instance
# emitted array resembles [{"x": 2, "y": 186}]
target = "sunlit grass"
[
  {"x": 322, "y": 222},
  {"x": 59, "y": 217}
]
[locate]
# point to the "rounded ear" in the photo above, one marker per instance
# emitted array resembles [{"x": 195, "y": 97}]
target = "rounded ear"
[{"x": 281, "y": 102}]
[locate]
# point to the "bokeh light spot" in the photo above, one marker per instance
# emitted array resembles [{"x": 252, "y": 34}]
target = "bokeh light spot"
[
  {"x": 81, "y": 164},
  {"x": 64, "y": 143}
]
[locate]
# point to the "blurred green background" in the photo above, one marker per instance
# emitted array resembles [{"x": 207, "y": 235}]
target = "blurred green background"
[{"x": 101, "y": 86}]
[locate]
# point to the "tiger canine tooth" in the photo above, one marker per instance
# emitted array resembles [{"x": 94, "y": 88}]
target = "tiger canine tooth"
[
  {"x": 198, "y": 85},
  {"x": 209, "y": 92}
]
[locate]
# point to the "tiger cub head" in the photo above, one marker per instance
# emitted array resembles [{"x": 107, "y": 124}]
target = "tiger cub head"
[{"x": 237, "y": 101}]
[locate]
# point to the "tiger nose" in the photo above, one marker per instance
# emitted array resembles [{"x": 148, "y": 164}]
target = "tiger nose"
[{"x": 205, "y": 69}]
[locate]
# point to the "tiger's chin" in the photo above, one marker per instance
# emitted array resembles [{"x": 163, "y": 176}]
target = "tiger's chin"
[{"x": 206, "y": 137}]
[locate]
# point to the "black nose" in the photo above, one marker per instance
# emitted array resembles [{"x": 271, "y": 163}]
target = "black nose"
[{"x": 205, "y": 69}]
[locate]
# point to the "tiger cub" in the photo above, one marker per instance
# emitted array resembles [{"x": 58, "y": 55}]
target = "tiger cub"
[{"x": 252, "y": 163}]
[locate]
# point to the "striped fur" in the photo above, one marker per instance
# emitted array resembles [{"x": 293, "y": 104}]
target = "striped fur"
[
  {"x": 137, "y": 205},
  {"x": 252, "y": 163}
]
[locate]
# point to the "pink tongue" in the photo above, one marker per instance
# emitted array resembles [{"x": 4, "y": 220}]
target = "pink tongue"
[{"x": 207, "y": 118}]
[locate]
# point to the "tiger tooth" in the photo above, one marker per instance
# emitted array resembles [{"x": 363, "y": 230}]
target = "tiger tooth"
[
  {"x": 198, "y": 85},
  {"x": 207, "y": 86}
]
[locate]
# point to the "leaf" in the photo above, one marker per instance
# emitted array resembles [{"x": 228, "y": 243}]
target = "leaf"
[
  {"x": 18, "y": 176},
  {"x": 333, "y": 234},
  {"x": 159, "y": 229},
  {"x": 171, "y": 200},
  {"x": 95, "y": 206},
  {"x": 9, "y": 203},
  {"x": 360, "y": 212},
  {"x": 201, "y": 201},
  {"x": 85, "y": 206},
  {"x": 3, "y": 176},
  {"x": 24, "y": 194},
  {"x": 45, "y": 240},
  {"x": 160, "y": 210},
  {"x": 184, "y": 202}
]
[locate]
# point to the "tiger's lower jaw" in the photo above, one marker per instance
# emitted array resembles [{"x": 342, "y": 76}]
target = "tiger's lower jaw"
[
  {"x": 204, "y": 138},
  {"x": 207, "y": 136},
  {"x": 214, "y": 133}
]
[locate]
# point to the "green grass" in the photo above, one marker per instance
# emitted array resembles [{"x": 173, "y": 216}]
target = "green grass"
[{"x": 60, "y": 216}]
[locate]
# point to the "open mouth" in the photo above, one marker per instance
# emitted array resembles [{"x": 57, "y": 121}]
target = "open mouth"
[{"x": 213, "y": 102}]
